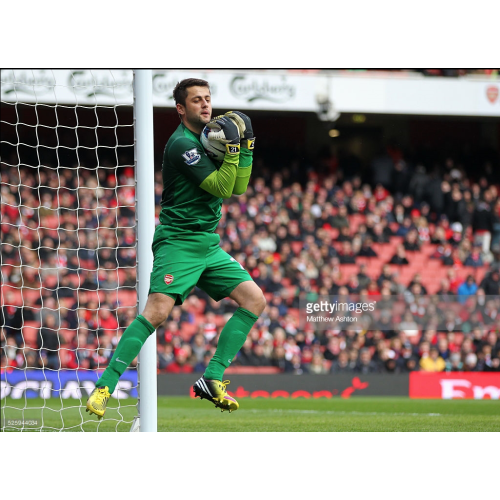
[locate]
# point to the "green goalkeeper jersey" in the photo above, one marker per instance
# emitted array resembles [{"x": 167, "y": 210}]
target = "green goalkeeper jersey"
[
  {"x": 185, "y": 205},
  {"x": 194, "y": 186}
]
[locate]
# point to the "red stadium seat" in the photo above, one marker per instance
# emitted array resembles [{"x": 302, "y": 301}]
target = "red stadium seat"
[
  {"x": 31, "y": 295},
  {"x": 348, "y": 270},
  {"x": 30, "y": 335},
  {"x": 16, "y": 298},
  {"x": 127, "y": 297}
]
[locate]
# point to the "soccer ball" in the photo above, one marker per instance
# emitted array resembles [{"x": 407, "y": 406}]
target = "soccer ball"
[{"x": 213, "y": 147}]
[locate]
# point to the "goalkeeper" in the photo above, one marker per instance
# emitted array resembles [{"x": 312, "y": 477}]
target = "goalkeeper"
[{"x": 185, "y": 246}]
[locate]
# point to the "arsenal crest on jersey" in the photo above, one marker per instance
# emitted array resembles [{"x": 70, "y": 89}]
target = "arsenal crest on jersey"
[{"x": 168, "y": 279}]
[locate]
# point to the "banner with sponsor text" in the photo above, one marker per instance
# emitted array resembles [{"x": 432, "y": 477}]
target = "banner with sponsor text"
[
  {"x": 65, "y": 384},
  {"x": 455, "y": 385},
  {"x": 263, "y": 90}
]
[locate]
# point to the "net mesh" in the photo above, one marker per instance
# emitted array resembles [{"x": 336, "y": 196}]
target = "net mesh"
[{"x": 68, "y": 248}]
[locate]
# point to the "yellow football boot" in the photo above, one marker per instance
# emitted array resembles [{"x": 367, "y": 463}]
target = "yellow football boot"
[
  {"x": 97, "y": 401},
  {"x": 215, "y": 391}
]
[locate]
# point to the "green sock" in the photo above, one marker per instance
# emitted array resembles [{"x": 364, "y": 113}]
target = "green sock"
[
  {"x": 231, "y": 340},
  {"x": 128, "y": 348}
]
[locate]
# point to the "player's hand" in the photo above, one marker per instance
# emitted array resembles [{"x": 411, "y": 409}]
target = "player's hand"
[
  {"x": 245, "y": 127},
  {"x": 228, "y": 133}
]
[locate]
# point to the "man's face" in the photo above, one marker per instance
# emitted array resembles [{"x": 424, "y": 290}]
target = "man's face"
[{"x": 198, "y": 109}]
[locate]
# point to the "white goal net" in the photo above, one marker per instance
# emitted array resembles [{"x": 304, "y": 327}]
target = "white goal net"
[{"x": 68, "y": 246}]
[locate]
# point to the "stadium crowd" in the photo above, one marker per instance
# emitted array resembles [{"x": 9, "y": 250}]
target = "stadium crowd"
[{"x": 69, "y": 251}]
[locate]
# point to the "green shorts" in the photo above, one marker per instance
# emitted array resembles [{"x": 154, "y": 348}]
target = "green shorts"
[{"x": 185, "y": 260}]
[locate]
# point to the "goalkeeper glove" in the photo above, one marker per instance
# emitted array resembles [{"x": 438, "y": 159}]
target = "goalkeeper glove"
[
  {"x": 245, "y": 128},
  {"x": 228, "y": 134}
]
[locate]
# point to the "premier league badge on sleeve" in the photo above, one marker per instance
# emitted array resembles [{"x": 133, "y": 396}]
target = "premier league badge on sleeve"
[{"x": 191, "y": 156}]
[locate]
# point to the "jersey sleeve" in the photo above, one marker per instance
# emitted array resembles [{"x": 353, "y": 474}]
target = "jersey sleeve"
[
  {"x": 190, "y": 160},
  {"x": 244, "y": 171}
]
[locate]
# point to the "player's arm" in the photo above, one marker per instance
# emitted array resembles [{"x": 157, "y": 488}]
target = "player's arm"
[
  {"x": 246, "y": 153},
  {"x": 221, "y": 182},
  {"x": 193, "y": 162}
]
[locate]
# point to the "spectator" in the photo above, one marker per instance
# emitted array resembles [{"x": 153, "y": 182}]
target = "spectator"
[
  {"x": 486, "y": 360},
  {"x": 199, "y": 347},
  {"x": 482, "y": 221},
  {"x": 347, "y": 255},
  {"x": 201, "y": 366},
  {"x": 470, "y": 362},
  {"x": 454, "y": 363},
  {"x": 259, "y": 358},
  {"x": 246, "y": 355},
  {"x": 407, "y": 362},
  {"x": 468, "y": 287},
  {"x": 340, "y": 219},
  {"x": 417, "y": 280},
  {"x": 296, "y": 366},
  {"x": 443, "y": 348},
  {"x": 365, "y": 363},
  {"x": 411, "y": 243},
  {"x": 474, "y": 259},
  {"x": 333, "y": 349},
  {"x": 165, "y": 355},
  {"x": 341, "y": 365},
  {"x": 363, "y": 278},
  {"x": 433, "y": 362},
  {"x": 317, "y": 365},
  {"x": 491, "y": 283},
  {"x": 278, "y": 358},
  {"x": 49, "y": 342},
  {"x": 399, "y": 257},
  {"x": 386, "y": 275},
  {"x": 180, "y": 363},
  {"x": 366, "y": 249}
]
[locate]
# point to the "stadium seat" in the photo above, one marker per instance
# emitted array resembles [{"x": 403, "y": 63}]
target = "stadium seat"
[
  {"x": 348, "y": 270},
  {"x": 50, "y": 281},
  {"x": 16, "y": 299},
  {"x": 396, "y": 240},
  {"x": 127, "y": 297},
  {"x": 49, "y": 222},
  {"x": 31, "y": 295},
  {"x": 75, "y": 280},
  {"x": 30, "y": 335}
]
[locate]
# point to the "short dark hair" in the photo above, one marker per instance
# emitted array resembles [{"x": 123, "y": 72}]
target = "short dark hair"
[{"x": 180, "y": 91}]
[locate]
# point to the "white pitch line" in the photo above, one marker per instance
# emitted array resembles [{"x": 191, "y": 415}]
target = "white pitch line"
[{"x": 332, "y": 412}]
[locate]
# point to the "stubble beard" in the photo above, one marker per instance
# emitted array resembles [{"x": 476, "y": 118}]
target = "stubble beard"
[{"x": 198, "y": 122}]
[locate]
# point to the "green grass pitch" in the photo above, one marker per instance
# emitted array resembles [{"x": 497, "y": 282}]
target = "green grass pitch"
[{"x": 183, "y": 414}]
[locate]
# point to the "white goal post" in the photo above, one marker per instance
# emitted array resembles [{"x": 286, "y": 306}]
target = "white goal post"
[
  {"x": 73, "y": 222},
  {"x": 145, "y": 209}
]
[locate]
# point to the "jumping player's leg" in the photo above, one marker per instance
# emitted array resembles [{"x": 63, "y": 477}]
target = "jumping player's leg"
[
  {"x": 177, "y": 266},
  {"x": 225, "y": 277},
  {"x": 232, "y": 337},
  {"x": 158, "y": 307}
]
